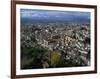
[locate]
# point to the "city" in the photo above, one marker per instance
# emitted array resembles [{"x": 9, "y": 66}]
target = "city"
[{"x": 54, "y": 45}]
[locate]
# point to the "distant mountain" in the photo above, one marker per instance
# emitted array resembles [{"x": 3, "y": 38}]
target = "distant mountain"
[
  {"x": 52, "y": 20},
  {"x": 45, "y": 16},
  {"x": 52, "y": 16}
]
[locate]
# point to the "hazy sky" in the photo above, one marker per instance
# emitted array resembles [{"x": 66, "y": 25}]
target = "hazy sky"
[{"x": 51, "y": 13}]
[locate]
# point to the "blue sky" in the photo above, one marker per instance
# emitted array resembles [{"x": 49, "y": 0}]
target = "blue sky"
[{"x": 53, "y": 14}]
